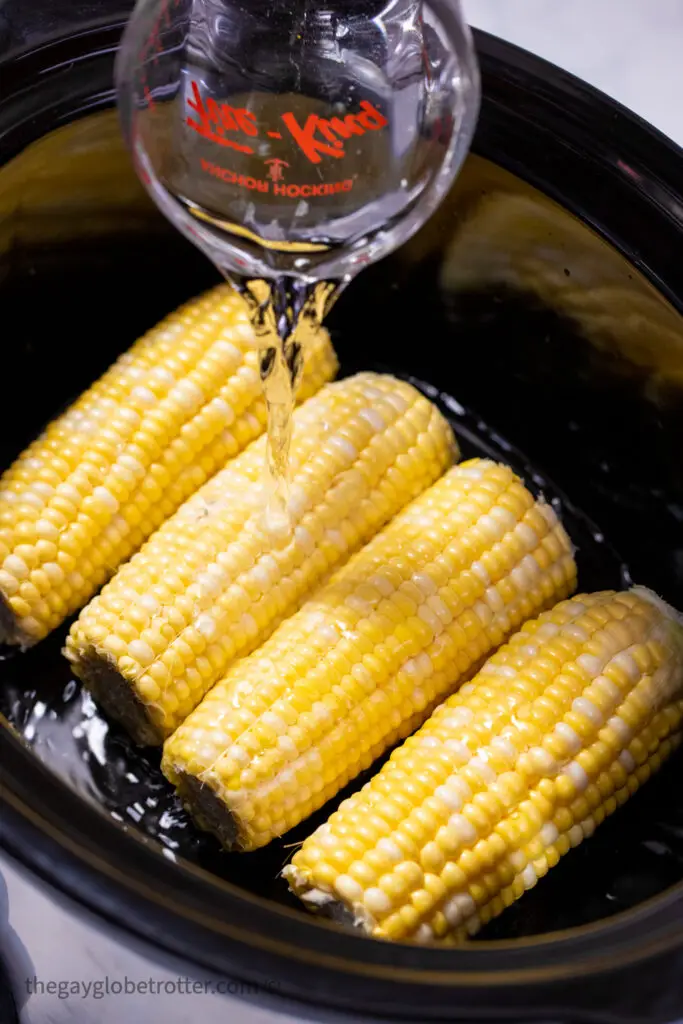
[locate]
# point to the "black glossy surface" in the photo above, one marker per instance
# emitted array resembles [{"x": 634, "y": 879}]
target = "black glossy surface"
[{"x": 8, "y": 1006}]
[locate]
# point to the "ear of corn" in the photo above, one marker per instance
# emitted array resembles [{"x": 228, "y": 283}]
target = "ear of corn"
[
  {"x": 558, "y": 729},
  {"x": 213, "y": 583},
  {"x": 87, "y": 493},
  {"x": 370, "y": 655}
]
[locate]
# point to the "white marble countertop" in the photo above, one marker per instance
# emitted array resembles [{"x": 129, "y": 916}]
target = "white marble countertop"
[{"x": 631, "y": 49}]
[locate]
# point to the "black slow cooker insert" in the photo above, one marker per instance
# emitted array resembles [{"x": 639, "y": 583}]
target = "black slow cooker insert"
[{"x": 541, "y": 309}]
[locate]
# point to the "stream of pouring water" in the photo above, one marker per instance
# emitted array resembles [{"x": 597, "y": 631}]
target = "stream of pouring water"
[
  {"x": 282, "y": 311},
  {"x": 295, "y": 144}
]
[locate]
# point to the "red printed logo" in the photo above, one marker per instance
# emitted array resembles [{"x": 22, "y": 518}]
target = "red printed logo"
[
  {"x": 319, "y": 136},
  {"x": 275, "y": 172},
  {"x": 304, "y": 190},
  {"x": 316, "y": 137},
  {"x": 215, "y": 121}
]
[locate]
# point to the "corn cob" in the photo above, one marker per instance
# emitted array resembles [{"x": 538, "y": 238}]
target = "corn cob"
[
  {"x": 370, "y": 655},
  {"x": 558, "y": 729},
  {"x": 157, "y": 425},
  {"x": 213, "y": 583}
]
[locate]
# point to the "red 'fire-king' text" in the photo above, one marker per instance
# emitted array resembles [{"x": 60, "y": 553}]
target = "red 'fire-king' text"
[{"x": 316, "y": 136}]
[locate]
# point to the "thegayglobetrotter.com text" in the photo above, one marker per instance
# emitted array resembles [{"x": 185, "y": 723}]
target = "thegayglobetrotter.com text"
[{"x": 103, "y": 988}]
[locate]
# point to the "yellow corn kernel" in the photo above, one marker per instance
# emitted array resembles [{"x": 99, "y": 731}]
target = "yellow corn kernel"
[
  {"x": 213, "y": 582},
  {"x": 611, "y": 651},
  {"x": 292, "y": 724},
  {"x": 120, "y": 461}
]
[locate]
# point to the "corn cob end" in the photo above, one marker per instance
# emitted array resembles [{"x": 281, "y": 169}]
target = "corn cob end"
[
  {"x": 117, "y": 698},
  {"x": 10, "y": 630},
  {"x": 208, "y": 810},
  {"x": 667, "y": 610},
  {"x": 324, "y": 904}
]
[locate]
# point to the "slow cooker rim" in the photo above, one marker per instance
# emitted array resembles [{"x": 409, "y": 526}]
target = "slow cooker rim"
[
  {"x": 93, "y": 819},
  {"x": 16, "y": 813}
]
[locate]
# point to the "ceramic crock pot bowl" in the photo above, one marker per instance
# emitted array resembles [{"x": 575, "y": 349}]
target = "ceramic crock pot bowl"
[{"x": 545, "y": 297}]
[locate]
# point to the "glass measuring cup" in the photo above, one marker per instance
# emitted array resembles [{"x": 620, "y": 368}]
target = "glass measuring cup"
[{"x": 296, "y": 137}]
